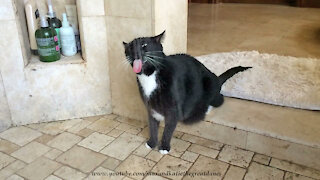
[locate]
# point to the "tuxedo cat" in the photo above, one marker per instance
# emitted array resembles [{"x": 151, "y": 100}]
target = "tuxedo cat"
[{"x": 174, "y": 88}]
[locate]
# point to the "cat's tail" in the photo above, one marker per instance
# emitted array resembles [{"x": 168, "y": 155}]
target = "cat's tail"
[{"x": 230, "y": 72}]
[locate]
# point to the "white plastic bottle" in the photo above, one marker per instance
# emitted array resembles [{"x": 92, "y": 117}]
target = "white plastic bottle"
[
  {"x": 68, "y": 41},
  {"x": 32, "y": 14}
]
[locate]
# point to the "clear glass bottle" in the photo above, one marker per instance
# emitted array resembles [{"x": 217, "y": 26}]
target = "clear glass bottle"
[{"x": 53, "y": 21}]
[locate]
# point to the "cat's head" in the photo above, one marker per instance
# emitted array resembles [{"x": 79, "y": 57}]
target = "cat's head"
[{"x": 144, "y": 52}]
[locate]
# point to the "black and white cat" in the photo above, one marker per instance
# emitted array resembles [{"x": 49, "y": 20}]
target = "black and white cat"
[{"x": 174, "y": 88}]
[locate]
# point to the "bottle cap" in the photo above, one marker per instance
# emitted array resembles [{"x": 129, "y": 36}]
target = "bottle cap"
[
  {"x": 65, "y": 22},
  {"x": 43, "y": 22},
  {"x": 51, "y": 13}
]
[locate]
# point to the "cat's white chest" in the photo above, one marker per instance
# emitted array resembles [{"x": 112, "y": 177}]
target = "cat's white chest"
[{"x": 148, "y": 83}]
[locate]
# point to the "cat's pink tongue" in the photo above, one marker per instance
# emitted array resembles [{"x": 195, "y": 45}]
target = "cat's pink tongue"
[{"x": 137, "y": 65}]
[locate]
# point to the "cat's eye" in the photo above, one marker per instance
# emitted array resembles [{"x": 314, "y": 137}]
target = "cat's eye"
[{"x": 144, "y": 45}]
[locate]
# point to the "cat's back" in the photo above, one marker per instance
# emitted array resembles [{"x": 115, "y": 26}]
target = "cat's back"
[{"x": 187, "y": 63}]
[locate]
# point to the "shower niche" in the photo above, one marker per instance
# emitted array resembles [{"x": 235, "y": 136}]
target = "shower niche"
[{"x": 28, "y": 14}]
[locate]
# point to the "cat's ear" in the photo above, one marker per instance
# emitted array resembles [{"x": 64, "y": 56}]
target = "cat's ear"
[
  {"x": 124, "y": 44},
  {"x": 159, "y": 38}
]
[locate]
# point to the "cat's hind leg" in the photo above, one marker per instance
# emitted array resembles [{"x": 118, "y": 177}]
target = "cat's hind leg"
[
  {"x": 209, "y": 110},
  {"x": 217, "y": 100}
]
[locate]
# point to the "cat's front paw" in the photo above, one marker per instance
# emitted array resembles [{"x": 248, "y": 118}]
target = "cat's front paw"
[
  {"x": 164, "y": 149},
  {"x": 150, "y": 145}
]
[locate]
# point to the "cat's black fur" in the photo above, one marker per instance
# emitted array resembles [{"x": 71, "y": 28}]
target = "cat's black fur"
[{"x": 185, "y": 87}]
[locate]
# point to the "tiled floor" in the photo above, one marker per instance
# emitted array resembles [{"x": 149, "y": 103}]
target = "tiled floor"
[
  {"x": 112, "y": 147},
  {"x": 282, "y": 30}
]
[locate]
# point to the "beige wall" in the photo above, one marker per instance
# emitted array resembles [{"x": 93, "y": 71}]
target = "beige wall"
[
  {"x": 5, "y": 117},
  {"x": 128, "y": 19},
  {"x": 66, "y": 89},
  {"x": 96, "y": 83},
  {"x": 172, "y": 16}
]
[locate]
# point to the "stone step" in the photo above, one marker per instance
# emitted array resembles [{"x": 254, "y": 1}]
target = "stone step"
[{"x": 281, "y": 132}]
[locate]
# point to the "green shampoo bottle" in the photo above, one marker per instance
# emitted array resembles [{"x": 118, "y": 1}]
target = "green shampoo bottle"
[{"x": 47, "y": 42}]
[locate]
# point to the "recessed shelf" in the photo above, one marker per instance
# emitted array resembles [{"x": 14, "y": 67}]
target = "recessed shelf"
[{"x": 35, "y": 61}]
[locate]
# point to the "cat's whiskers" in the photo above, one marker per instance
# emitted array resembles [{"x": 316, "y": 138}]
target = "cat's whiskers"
[
  {"x": 152, "y": 56},
  {"x": 124, "y": 64},
  {"x": 156, "y": 58},
  {"x": 153, "y": 61},
  {"x": 154, "y": 52}
]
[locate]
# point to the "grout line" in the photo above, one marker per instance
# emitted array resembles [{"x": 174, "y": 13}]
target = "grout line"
[{"x": 229, "y": 166}]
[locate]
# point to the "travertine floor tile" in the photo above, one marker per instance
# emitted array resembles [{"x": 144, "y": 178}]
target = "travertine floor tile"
[
  {"x": 202, "y": 141},
  {"x": 15, "y": 177},
  {"x": 129, "y": 141},
  {"x": 53, "y": 177},
  {"x": 103, "y": 125},
  {"x": 127, "y": 178},
  {"x": 8, "y": 147},
  {"x": 263, "y": 159},
  {"x": 85, "y": 132},
  {"x": 142, "y": 150},
  {"x": 70, "y": 123},
  {"x": 102, "y": 173},
  {"x": 66, "y": 172},
  {"x": 16, "y": 165},
  {"x": 154, "y": 156},
  {"x": 96, "y": 141},
  {"x": 81, "y": 158},
  {"x": 30, "y": 152},
  {"x": 129, "y": 128},
  {"x": 292, "y": 176},
  {"x": 144, "y": 133},
  {"x": 203, "y": 150},
  {"x": 115, "y": 132},
  {"x": 127, "y": 152},
  {"x": 36, "y": 126},
  {"x": 92, "y": 118},
  {"x": 111, "y": 163},
  {"x": 203, "y": 164},
  {"x": 5, "y": 173},
  {"x": 54, "y": 128},
  {"x": 235, "y": 156},
  {"x": 178, "y": 147},
  {"x": 171, "y": 164},
  {"x": 287, "y": 166},
  {"x": 39, "y": 169},
  {"x": 11, "y": 169},
  {"x": 44, "y": 139},
  {"x": 258, "y": 171},
  {"x": 20, "y": 135},
  {"x": 154, "y": 178},
  {"x": 136, "y": 123},
  {"x": 64, "y": 141},
  {"x": 5, "y": 160},
  {"x": 190, "y": 156},
  {"x": 234, "y": 173},
  {"x": 135, "y": 164},
  {"x": 53, "y": 154},
  {"x": 80, "y": 126}
]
